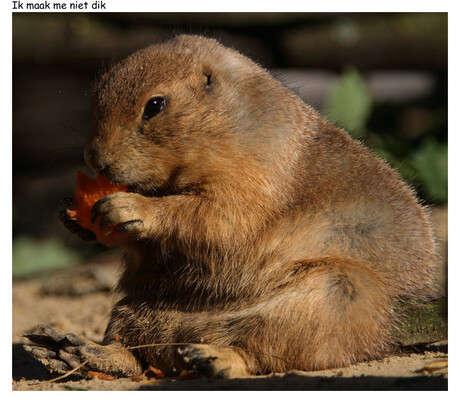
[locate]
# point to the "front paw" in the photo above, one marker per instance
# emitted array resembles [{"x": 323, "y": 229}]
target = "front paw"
[
  {"x": 72, "y": 224},
  {"x": 124, "y": 212},
  {"x": 212, "y": 361}
]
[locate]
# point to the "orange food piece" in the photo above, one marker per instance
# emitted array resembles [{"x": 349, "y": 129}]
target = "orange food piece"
[
  {"x": 187, "y": 374},
  {"x": 154, "y": 372},
  {"x": 148, "y": 374},
  {"x": 139, "y": 377},
  {"x": 87, "y": 192},
  {"x": 100, "y": 375}
]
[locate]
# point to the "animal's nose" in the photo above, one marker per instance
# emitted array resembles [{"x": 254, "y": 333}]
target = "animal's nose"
[{"x": 95, "y": 159}]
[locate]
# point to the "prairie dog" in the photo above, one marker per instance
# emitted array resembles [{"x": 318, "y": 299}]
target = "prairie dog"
[{"x": 259, "y": 237}]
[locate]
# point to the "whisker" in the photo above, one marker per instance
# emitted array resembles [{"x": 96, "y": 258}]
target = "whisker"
[{"x": 76, "y": 130}]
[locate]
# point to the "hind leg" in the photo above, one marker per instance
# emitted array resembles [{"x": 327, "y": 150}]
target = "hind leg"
[
  {"x": 332, "y": 312},
  {"x": 329, "y": 312},
  {"x": 344, "y": 309},
  {"x": 63, "y": 352}
]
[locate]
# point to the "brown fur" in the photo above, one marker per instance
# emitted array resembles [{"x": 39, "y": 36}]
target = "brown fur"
[{"x": 260, "y": 232}]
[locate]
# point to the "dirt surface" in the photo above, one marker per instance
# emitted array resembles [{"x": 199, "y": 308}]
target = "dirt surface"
[{"x": 79, "y": 300}]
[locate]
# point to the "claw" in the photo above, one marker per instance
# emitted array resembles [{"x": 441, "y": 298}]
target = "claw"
[
  {"x": 127, "y": 226},
  {"x": 74, "y": 339},
  {"x": 63, "y": 216},
  {"x": 196, "y": 359},
  {"x": 40, "y": 339},
  {"x": 50, "y": 339},
  {"x": 70, "y": 359},
  {"x": 39, "y": 352},
  {"x": 95, "y": 211},
  {"x": 58, "y": 366},
  {"x": 51, "y": 332},
  {"x": 69, "y": 222},
  {"x": 47, "y": 358},
  {"x": 73, "y": 226},
  {"x": 105, "y": 221},
  {"x": 67, "y": 201},
  {"x": 86, "y": 235}
]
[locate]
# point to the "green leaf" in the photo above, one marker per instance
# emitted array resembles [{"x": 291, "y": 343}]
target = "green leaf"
[
  {"x": 349, "y": 103},
  {"x": 30, "y": 254},
  {"x": 67, "y": 387},
  {"x": 429, "y": 163}
]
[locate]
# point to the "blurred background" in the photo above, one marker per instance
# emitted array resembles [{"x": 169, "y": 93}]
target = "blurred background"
[{"x": 382, "y": 76}]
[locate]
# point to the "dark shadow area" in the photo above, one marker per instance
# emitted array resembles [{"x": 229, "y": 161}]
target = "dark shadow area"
[
  {"x": 300, "y": 382},
  {"x": 418, "y": 348},
  {"x": 28, "y": 368},
  {"x": 25, "y": 367}
]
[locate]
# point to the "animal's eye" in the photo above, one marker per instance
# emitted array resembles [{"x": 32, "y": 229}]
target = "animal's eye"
[{"x": 153, "y": 107}]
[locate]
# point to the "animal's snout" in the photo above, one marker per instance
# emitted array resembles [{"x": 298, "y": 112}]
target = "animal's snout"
[{"x": 96, "y": 158}]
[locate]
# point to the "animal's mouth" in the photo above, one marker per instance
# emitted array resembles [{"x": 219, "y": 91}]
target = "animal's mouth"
[
  {"x": 167, "y": 189},
  {"x": 147, "y": 189}
]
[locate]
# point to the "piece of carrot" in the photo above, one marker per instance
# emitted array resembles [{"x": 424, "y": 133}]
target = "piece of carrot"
[
  {"x": 87, "y": 192},
  {"x": 187, "y": 374},
  {"x": 100, "y": 375},
  {"x": 154, "y": 372}
]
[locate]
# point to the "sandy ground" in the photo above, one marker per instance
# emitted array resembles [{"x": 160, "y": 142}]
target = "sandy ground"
[{"x": 79, "y": 301}]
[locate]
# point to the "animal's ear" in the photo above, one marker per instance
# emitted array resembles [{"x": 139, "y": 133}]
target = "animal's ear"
[{"x": 208, "y": 78}]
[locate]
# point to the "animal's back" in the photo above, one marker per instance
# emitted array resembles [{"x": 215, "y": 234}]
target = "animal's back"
[{"x": 365, "y": 211}]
